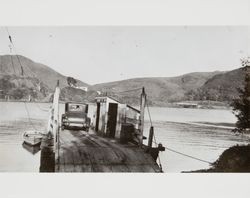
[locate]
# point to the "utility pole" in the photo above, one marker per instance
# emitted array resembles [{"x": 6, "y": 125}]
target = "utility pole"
[{"x": 142, "y": 111}]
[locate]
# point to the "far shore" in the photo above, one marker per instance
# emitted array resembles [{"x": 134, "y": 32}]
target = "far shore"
[{"x": 180, "y": 104}]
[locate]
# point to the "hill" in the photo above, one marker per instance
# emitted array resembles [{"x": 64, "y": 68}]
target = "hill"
[
  {"x": 32, "y": 69},
  {"x": 160, "y": 90},
  {"x": 220, "y": 87},
  {"x": 77, "y": 95},
  {"x": 37, "y": 79}
]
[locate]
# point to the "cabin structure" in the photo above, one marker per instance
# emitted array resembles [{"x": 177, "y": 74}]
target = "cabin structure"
[{"x": 114, "y": 119}]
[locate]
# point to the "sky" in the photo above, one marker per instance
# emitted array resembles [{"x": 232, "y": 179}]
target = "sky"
[{"x": 96, "y": 54}]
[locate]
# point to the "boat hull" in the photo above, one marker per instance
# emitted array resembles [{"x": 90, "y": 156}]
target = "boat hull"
[
  {"x": 32, "y": 139},
  {"x": 33, "y": 142}
]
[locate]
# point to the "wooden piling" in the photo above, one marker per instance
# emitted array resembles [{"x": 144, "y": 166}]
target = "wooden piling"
[
  {"x": 50, "y": 140},
  {"x": 47, "y": 159},
  {"x": 142, "y": 110},
  {"x": 150, "y": 138}
]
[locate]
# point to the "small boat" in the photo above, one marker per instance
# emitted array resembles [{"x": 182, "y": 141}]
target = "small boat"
[
  {"x": 31, "y": 149},
  {"x": 32, "y": 137}
]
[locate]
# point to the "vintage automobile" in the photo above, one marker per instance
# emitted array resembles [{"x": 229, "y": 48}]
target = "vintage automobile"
[{"x": 75, "y": 116}]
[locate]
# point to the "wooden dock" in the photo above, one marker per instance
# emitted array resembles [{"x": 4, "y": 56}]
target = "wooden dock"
[{"x": 79, "y": 151}]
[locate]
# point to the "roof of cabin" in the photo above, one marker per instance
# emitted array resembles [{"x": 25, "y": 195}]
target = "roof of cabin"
[
  {"x": 129, "y": 106},
  {"x": 109, "y": 98}
]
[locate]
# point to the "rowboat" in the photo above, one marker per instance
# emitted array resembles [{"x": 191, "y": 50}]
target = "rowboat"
[{"x": 32, "y": 137}]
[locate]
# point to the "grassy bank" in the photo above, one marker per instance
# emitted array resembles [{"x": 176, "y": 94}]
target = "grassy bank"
[{"x": 235, "y": 159}]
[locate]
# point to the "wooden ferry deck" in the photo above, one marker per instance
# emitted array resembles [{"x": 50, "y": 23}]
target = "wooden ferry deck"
[{"x": 79, "y": 151}]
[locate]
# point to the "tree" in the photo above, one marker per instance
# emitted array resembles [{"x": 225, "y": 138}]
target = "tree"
[
  {"x": 71, "y": 82},
  {"x": 19, "y": 93},
  {"x": 241, "y": 105},
  {"x": 6, "y": 84}
]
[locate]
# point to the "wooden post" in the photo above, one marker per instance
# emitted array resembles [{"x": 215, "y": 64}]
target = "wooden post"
[
  {"x": 53, "y": 123},
  {"x": 47, "y": 157},
  {"x": 142, "y": 110},
  {"x": 150, "y": 137},
  {"x": 49, "y": 143}
]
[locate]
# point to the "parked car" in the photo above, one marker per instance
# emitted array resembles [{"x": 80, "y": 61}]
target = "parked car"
[{"x": 76, "y": 116}]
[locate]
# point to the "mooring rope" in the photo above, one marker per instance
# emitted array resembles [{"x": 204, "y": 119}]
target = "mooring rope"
[
  {"x": 156, "y": 144},
  {"x": 170, "y": 149},
  {"x": 186, "y": 155}
]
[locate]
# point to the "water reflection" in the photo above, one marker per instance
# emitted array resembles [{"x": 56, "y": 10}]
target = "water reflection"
[
  {"x": 47, "y": 159},
  {"x": 31, "y": 149}
]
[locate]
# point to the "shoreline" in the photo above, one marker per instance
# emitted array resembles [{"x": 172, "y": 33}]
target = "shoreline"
[
  {"x": 165, "y": 105},
  {"x": 235, "y": 159}
]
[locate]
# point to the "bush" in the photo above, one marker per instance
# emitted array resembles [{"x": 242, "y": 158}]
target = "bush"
[{"x": 241, "y": 105}]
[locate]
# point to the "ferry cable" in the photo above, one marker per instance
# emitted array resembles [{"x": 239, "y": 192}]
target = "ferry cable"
[
  {"x": 16, "y": 54},
  {"x": 172, "y": 150},
  {"x": 18, "y": 58},
  {"x": 21, "y": 65},
  {"x": 11, "y": 43},
  {"x": 25, "y": 105},
  {"x": 22, "y": 73},
  {"x": 192, "y": 157},
  {"x": 12, "y": 63},
  {"x": 27, "y": 111}
]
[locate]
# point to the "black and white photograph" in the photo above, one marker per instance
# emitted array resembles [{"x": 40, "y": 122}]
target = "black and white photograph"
[
  {"x": 115, "y": 98},
  {"x": 125, "y": 99}
]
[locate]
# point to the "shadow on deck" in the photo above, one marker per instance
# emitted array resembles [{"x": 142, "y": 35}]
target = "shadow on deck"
[{"x": 79, "y": 151}]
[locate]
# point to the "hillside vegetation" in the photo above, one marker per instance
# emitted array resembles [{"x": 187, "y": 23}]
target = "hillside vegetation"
[
  {"x": 221, "y": 87},
  {"x": 39, "y": 81},
  {"x": 77, "y": 95},
  {"x": 235, "y": 159},
  {"x": 159, "y": 90}
]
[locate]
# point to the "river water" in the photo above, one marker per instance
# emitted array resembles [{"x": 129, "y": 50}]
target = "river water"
[{"x": 202, "y": 133}]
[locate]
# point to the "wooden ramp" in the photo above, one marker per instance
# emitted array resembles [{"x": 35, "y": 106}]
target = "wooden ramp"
[{"x": 79, "y": 151}]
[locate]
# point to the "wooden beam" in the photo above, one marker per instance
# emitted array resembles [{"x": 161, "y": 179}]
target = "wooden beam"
[
  {"x": 49, "y": 144},
  {"x": 53, "y": 123},
  {"x": 150, "y": 138},
  {"x": 142, "y": 110}
]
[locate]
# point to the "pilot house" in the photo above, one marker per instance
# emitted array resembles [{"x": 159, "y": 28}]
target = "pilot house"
[{"x": 112, "y": 117}]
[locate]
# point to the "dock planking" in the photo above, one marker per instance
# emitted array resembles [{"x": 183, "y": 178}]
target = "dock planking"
[{"x": 80, "y": 151}]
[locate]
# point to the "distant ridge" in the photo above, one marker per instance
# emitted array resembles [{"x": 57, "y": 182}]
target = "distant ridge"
[
  {"x": 32, "y": 69},
  {"x": 216, "y": 86},
  {"x": 38, "y": 80},
  {"x": 221, "y": 87},
  {"x": 161, "y": 90}
]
